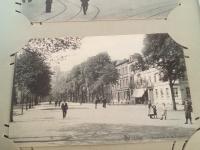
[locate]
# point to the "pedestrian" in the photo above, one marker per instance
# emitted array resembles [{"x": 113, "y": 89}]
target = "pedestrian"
[
  {"x": 164, "y": 112},
  {"x": 188, "y": 110},
  {"x": 104, "y": 102},
  {"x": 84, "y": 5},
  {"x": 154, "y": 111},
  {"x": 96, "y": 102},
  {"x": 59, "y": 102},
  {"x": 149, "y": 107},
  {"x": 151, "y": 114},
  {"x": 56, "y": 103},
  {"x": 64, "y": 108},
  {"x": 48, "y": 5}
]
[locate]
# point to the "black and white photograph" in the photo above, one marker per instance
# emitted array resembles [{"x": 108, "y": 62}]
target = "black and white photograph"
[
  {"x": 95, "y": 10},
  {"x": 100, "y": 90}
]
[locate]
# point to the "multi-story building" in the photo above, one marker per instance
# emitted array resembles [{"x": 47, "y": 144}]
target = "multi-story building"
[
  {"x": 150, "y": 86},
  {"x": 139, "y": 86},
  {"x": 121, "y": 90}
]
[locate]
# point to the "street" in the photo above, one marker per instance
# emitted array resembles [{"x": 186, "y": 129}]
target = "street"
[
  {"x": 68, "y": 10},
  {"x": 44, "y": 125}
]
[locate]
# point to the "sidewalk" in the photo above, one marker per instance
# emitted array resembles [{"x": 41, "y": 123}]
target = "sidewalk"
[{"x": 86, "y": 125}]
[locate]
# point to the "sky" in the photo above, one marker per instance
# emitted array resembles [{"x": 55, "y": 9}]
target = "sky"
[{"x": 118, "y": 47}]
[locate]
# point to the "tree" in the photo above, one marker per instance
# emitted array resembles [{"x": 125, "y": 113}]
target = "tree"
[
  {"x": 162, "y": 52},
  {"x": 91, "y": 77},
  {"x": 33, "y": 74},
  {"x": 100, "y": 71},
  {"x": 138, "y": 62}
]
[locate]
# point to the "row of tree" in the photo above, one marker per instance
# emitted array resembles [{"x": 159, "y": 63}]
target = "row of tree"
[
  {"x": 32, "y": 79},
  {"x": 90, "y": 79}
]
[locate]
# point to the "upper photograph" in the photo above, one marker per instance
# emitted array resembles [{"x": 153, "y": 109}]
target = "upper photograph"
[{"x": 96, "y": 10}]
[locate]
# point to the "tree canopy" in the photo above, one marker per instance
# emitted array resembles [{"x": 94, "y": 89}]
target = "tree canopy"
[
  {"x": 90, "y": 77},
  {"x": 163, "y": 53},
  {"x": 33, "y": 74}
]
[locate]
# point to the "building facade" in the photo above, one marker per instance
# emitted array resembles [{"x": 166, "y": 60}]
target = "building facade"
[
  {"x": 121, "y": 91},
  {"x": 139, "y": 87}
]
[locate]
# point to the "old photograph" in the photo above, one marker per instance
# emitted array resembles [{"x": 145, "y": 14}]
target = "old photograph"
[
  {"x": 95, "y": 10},
  {"x": 100, "y": 90}
]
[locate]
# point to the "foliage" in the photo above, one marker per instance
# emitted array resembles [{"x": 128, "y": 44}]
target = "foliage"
[
  {"x": 138, "y": 62},
  {"x": 162, "y": 52},
  {"x": 33, "y": 74},
  {"x": 92, "y": 76}
]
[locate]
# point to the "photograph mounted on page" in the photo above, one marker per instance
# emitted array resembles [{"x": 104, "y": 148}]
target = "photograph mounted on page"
[
  {"x": 101, "y": 90},
  {"x": 95, "y": 10}
]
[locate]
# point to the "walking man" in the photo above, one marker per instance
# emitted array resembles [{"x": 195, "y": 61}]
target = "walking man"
[
  {"x": 149, "y": 107},
  {"x": 84, "y": 5},
  {"x": 104, "y": 103},
  {"x": 56, "y": 103},
  {"x": 188, "y": 110},
  {"x": 164, "y": 112},
  {"x": 96, "y": 102},
  {"x": 64, "y": 108},
  {"x": 48, "y": 5}
]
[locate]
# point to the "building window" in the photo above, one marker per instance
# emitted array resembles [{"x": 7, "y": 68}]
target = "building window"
[
  {"x": 150, "y": 79},
  {"x": 120, "y": 83},
  {"x": 119, "y": 71},
  {"x": 156, "y": 92},
  {"x": 188, "y": 92},
  {"x": 167, "y": 92},
  {"x": 126, "y": 69},
  {"x": 130, "y": 69},
  {"x": 126, "y": 82},
  {"x": 175, "y": 92},
  {"x": 161, "y": 93}
]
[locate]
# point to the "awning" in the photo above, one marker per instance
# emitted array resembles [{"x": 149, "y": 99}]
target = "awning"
[{"x": 137, "y": 93}]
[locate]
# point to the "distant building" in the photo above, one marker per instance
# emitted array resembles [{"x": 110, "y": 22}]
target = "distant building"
[
  {"x": 121, "y": 90},
  {"x": 137, "y": 87}
]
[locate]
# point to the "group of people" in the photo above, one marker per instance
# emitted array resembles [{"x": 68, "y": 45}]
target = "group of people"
[
  {"x": 152, "y": 111},
  {"x": 84, "y": 6},
  {"x": 99, "y": 100}
]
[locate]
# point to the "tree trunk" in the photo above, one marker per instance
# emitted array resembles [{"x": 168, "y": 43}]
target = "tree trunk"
[
  {"x": 173, "y": 97},
  {"x": 102, "y": 90},
  {"x": 36, "y": 100},
  {"x": 22, "y": 102},
  {"x": 26, "y": 102}
]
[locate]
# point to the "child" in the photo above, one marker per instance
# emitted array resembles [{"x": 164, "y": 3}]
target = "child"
[
  {"x": 154, "y": 111},
  {"x": 164, "y": 112}
]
